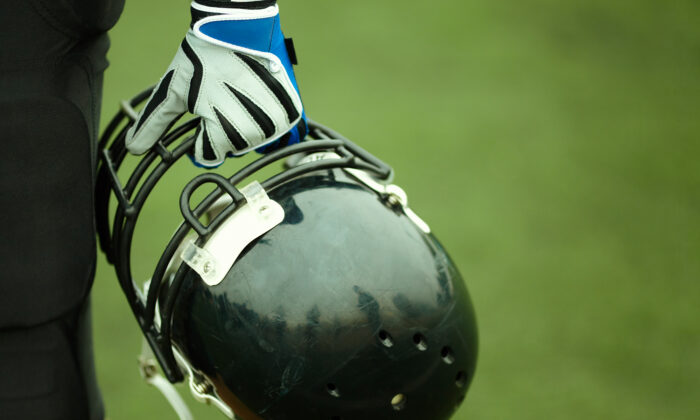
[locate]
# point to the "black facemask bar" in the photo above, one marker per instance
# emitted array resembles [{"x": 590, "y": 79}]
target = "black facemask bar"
[{"x": 116, "y": 240}]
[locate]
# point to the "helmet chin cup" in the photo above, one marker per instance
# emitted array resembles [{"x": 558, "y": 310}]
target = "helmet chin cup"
[{"x": 314, "y": 293}]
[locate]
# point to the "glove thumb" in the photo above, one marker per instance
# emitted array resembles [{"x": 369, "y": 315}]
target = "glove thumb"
[{"x": 163, "y": 108}]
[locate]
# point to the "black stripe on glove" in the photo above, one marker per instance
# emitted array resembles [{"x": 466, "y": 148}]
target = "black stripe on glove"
[
  {"x": 159, "y": 96},
  {"x": 275, "y": 87},
  {"x": 261, "y": 118},
  {"x": 237, "y": 141},
  {"x": 196, "y": 82}
]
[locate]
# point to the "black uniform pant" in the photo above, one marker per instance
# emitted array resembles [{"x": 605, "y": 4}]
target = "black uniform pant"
[{"x": 52, "y": 56}]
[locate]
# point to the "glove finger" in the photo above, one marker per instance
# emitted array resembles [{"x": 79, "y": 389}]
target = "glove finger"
[
  {"x": 244, "y": 121},
  {"x": 277, "y": 91},
  {"x": 207, "y": 153},
  {"x": 249, "y": 114},
  {"x": 293, "y": 136},
  {"x": 162, "y": 109}
]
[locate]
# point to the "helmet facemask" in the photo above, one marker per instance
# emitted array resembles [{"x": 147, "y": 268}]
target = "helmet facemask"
[{"x": 229, "y": 223}]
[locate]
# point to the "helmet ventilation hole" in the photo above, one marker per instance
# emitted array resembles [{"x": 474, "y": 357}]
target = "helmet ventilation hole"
[
  {"x": 333, "y": 390},
  {"x": 461, "y": 379},
  {"x": 385, "y": 338},
  {"x": 420, "y": 342},
  {"x": 398, "y": 402},
  {"x": 447, "y": 355}
]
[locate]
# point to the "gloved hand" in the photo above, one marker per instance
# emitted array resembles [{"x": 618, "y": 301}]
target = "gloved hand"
[{"x": 233, "y": 70}]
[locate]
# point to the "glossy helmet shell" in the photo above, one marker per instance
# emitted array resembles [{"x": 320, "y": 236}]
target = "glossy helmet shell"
[{"x": 345, "y": 310}]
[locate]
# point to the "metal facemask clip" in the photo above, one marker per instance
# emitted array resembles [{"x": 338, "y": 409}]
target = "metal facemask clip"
[
  {"x": 214, "y": 259},
  {"x": 394, "y": 195}
]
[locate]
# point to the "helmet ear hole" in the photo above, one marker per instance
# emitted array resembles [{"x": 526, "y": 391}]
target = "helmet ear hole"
[
  {"x": 461, "y": 379},
  {"x": 332, "y": 390},
  {"x": 420, "y": 342},
  {"x": 398, "y": 402},
  {"x": 447, "y": 355},
  {"x": 385, "y": 338}
]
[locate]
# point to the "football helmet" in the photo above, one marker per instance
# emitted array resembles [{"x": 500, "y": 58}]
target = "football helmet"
[{"x": 316, "y": 293}]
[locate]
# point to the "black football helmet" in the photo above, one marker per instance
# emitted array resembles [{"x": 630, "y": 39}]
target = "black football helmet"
[{"x": 315, "y": 294}]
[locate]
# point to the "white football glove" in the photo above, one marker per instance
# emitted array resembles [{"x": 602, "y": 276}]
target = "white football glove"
[{"x": 233, "y": 70}]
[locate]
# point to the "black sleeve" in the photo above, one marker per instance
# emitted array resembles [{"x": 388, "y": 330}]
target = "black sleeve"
[{"x": 81, "y": 17}]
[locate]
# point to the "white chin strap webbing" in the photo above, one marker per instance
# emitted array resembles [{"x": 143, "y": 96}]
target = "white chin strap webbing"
[{"x": 149, "y": 372}]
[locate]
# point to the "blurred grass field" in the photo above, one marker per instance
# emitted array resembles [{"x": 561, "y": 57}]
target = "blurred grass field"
[{"x": 552, "y": 146}]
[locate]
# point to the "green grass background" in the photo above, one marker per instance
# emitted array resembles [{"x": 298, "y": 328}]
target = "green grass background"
[{"x": 552, "y": 145}]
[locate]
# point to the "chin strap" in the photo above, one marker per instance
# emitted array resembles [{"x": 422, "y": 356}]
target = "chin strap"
[
  {"x": 149, "y": 372},
  {"x": 198, "y": 385}
]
